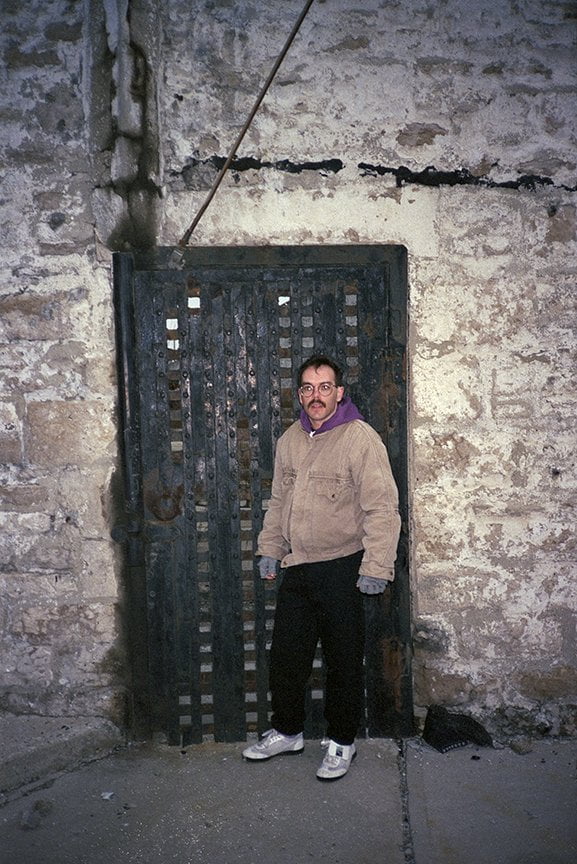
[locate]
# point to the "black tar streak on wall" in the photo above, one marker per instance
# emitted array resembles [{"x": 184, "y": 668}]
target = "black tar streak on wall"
[{"x": 429, "y": 176}]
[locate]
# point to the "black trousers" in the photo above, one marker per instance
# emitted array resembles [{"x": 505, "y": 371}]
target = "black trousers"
[{"x": 319, "y": 601}]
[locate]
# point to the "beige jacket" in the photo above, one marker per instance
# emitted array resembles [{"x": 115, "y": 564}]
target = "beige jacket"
[{"x": 333, "y": 494}]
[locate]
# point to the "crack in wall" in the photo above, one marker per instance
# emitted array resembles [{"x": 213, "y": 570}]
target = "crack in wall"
[
  {"x": 430, "y": 176},
  {"x": 193, "y": 170}
]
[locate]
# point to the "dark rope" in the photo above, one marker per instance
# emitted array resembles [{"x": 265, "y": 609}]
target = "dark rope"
[{"x": 186, "y": 236}]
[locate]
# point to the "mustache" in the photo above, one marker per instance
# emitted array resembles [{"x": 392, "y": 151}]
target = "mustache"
[{"x": 318, "y": 402}]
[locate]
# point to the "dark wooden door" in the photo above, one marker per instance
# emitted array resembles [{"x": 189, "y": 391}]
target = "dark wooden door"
[{"x": 208, "y": 346}]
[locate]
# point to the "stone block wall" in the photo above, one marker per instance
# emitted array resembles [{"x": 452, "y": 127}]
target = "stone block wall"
[
  {"x": 60, "y": 643},
  {"x": 447, "y": 127}
]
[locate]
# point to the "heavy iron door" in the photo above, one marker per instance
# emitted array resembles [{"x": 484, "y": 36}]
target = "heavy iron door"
[{"x": 208, "y": 349}]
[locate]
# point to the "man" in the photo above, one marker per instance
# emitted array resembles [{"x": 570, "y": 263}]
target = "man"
[{"x": 333, "y": 523}]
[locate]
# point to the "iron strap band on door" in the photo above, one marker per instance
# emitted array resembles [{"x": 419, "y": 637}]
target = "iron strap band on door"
[{"x": 187, "y": 234}]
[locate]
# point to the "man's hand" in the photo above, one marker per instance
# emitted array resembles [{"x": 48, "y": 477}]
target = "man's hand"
[
  {"x": 370, "y": 585},
  {"x": 268, "y": 568}
]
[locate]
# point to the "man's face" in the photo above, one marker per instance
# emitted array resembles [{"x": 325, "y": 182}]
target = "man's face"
[{"x": 319, "y": 406}]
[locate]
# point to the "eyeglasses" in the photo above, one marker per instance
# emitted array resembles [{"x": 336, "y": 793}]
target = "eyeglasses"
[{"x": 325, "y": 389}]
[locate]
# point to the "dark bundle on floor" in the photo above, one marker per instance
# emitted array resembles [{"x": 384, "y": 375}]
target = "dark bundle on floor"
[{"x": 445, "y": 731}]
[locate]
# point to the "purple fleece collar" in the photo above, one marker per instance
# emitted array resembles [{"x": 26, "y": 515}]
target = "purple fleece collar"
[{"x": 346, "y": 411}]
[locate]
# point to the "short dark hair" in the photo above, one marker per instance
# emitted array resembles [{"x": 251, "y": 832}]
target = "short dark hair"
[{"x": 320, "y": 360}]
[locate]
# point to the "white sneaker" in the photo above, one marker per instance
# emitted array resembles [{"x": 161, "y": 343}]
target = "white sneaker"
[
  {"x": 274, "y": 743},
  {"x": 337, "y": 761}
]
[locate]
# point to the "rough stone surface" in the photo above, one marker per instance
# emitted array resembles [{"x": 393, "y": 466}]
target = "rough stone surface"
[{"x": 450, "y": 130}]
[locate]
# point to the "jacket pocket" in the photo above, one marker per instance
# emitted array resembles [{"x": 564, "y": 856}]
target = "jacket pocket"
[{"x": 332, "y": 488}]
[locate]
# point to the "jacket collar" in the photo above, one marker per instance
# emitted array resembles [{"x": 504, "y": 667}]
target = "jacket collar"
[{"x": 345, "y": 413}]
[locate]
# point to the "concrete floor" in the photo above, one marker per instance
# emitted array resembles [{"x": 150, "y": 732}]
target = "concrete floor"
[{"x": 399, "y": 804}]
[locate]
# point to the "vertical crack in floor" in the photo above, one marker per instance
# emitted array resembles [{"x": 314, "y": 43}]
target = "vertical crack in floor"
[{"x": 407, "y": 834}]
